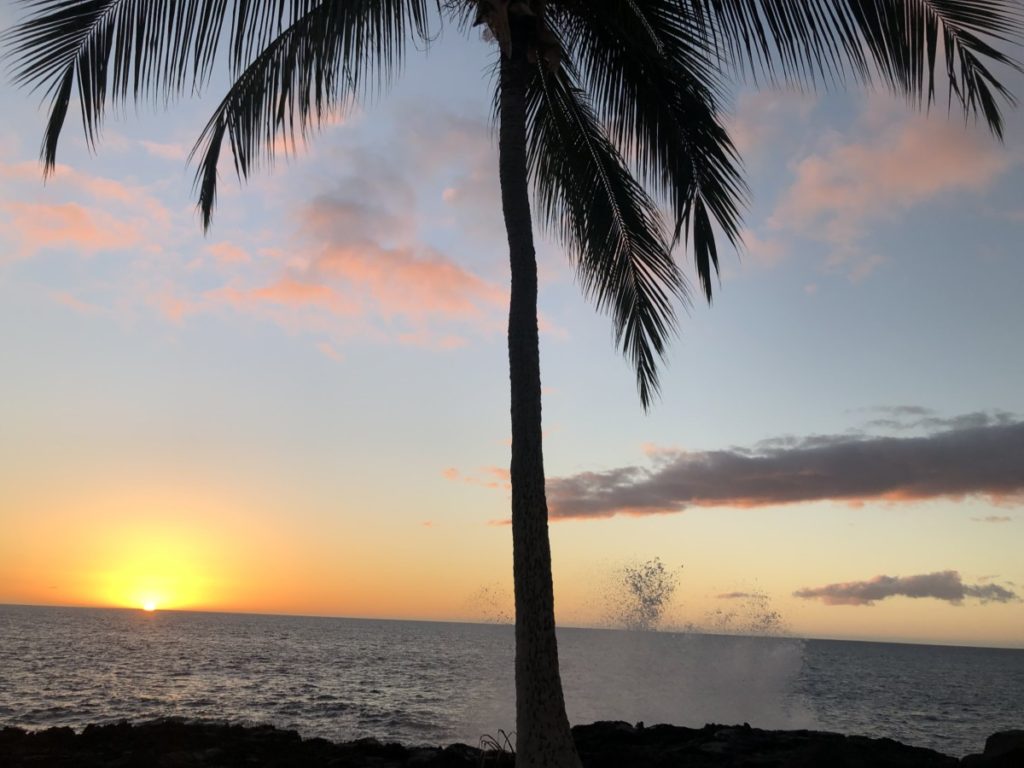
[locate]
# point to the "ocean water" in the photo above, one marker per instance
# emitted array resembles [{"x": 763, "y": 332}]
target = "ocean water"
[{"x": 423, "y": 682}]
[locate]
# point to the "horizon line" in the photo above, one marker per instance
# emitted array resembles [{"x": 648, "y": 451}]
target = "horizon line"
[{"x": 477, "y": 622}]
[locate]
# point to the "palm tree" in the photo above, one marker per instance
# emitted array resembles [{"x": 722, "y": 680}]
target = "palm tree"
[{"x": 610, "y": 108}]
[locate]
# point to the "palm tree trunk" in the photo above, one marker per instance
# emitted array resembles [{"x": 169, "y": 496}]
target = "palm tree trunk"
[{"x": 543, "y": 738}]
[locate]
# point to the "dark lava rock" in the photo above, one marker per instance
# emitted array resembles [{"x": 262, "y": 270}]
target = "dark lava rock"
[
  {"x": 178, "y": 744},
  {"x": 1002, "y": 750},
  {"x": 175, "y": 743},
  {"x": 610, "y": 745}
]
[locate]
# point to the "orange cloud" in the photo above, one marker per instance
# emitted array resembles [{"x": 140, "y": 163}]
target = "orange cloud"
[
  {"x": 36, "y": 227},
  {"x": 496, "y": 478}
]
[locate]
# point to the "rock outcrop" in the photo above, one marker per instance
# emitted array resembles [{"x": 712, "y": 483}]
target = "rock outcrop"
[{"x": 175, "y": 743}]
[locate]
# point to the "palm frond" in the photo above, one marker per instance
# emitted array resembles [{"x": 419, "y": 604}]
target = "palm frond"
[
  {"x": 307, "y": 72},
  {"x": 647, "y": 69},
  {"x": 896, "y": 40},
  {"x": 111, "y": 50},
  {"x": 114, "y": 51},
  {"x": 587, "y": 195}
]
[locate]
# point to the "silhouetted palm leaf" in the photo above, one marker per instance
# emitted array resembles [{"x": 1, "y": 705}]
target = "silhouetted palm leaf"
[
  {"x": 299, "y": 77},
  {"x": 899, "y": 40},
  {"x": 654, "y": 84},
  {"x": 612, "y": 228},
  {"x": 119, "y": 50}
]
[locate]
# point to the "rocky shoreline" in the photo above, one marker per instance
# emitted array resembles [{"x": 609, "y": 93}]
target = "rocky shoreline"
[{"x": 174, "y": 743}]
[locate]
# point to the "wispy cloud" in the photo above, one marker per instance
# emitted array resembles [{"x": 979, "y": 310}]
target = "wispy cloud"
[
  {"x": 173, "y": 152},
  {"x": 77, "y": 304},
  {"x": 993, "y": 519},
  {"x": 80, "y": 214},
  {"x": 228, "y": 253},
  {"x": 328, "y": 351},
  {"x": 915, "y": 418},
  {"x": 487, "y": 477},
  {"x": 763, "y": 117},
  {"x": 358, "y": 266},
  {"x": 889, "y": 164},
  {"x": 973, "y": 457},
  {"x": 941, "y": 585},
  {"x": 287, "y": 292},
  {"x": 85, "y": 230}
]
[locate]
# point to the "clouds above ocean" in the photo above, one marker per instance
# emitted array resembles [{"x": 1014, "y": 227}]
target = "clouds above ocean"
[
  {"x": 941, "y": 585},
  {"x": 974, "y": 455}
]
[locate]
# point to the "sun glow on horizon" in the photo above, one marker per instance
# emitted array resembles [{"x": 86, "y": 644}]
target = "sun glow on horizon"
[{"x": 155, "y": 564}]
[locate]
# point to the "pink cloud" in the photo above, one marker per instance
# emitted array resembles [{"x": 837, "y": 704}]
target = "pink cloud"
[
  {"x": 903, "y": 166},
  {"x": 228, "y": 253},
  {"x": 36, "y": 227},
  {"x": 328, "y": 351},
  {"x": 291, "y": 147},
  {"x": 77, "y": 212},
  {"x": 411, "y": 282},
  {"x": 173, "y": 152},
  {"x": 368, "y": 250},
  {"x": 761, "y": 117},
  {"x": 904, "y": 162},
  {"x": 760, "y": 252},
  {"x": 496, "y": 478},
  {"x": 77, "y": 305},
  {"x": 174, "y": 306},
  {"x": 423, "y": 337},
  {"x": 287, "y": 292},
  {"x": 130, "y": 196}
]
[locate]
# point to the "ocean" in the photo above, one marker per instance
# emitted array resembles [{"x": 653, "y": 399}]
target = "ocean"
[{"x": 435, "y": 683}]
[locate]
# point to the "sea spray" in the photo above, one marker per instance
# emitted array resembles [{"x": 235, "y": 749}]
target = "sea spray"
[
  {"x": 640, "y": 594},
  {"x": 682, "y": 678}
]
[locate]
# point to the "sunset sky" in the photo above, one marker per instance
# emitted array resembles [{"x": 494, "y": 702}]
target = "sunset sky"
[{"x": 306, "y": 411}]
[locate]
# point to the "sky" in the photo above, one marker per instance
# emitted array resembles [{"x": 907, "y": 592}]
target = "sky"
[{"x": 306, "y": 410}]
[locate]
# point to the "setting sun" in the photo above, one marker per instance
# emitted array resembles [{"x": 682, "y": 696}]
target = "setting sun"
[{"x": 149, "y": 605}]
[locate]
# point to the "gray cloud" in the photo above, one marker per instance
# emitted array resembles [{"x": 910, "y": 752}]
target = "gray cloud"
[
  {"x": 941, "y": 585},
  {"x": 974, "y": 460},
  {"x": 993, "y": 519},
  {"x": 905, "y": 418},
  {"x": 736, "y": 595},
  {"x": 905, "y": 410}
]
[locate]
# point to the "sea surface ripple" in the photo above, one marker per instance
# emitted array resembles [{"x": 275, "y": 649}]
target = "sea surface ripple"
[{"x": 425, "y": 682}]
